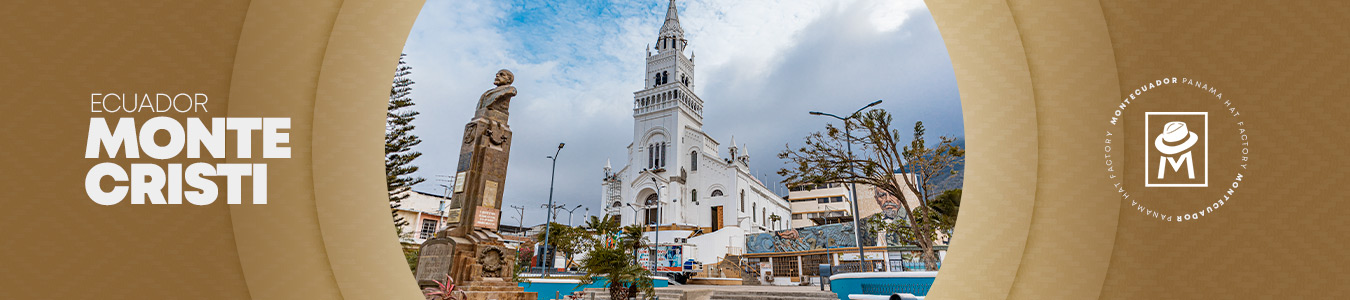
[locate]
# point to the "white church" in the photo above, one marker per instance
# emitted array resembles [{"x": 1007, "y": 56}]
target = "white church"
[{"x": 676, "y": 176}]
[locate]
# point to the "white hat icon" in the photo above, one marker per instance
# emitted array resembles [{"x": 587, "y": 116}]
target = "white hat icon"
[{"x": 1172, "y": 133}]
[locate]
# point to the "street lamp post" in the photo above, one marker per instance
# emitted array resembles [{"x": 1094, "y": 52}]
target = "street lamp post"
[
  {"x": 569, "y": 214},
  {"x": 853, "y": 187},
  {"x": 548, "y": 224},
  {"x": 656, "y": 242},
  {"x": 521, "y": 227}
]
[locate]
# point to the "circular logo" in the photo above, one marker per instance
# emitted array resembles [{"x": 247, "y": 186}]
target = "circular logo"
[{"x": 1176, "y": 149}]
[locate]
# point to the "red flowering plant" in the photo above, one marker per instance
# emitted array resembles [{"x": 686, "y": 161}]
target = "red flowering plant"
[{"x": 445, "y": 291}]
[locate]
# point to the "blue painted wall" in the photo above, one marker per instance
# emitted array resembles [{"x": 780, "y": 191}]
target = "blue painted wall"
[
  {"x": 881, "y": 286},
  {"x": 547, "y": 290}
]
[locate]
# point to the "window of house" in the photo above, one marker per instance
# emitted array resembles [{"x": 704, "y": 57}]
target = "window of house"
[{"x": 428, "y": 228}]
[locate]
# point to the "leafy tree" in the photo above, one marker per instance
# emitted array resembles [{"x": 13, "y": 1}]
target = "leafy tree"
[
  {"x": 825, "y": 159},
  {"x": 947, "y": 205},
  {"x": 565, "y": 239},
  {"x": 412, "y": 256},
  {"x": 399, "y": 141}
]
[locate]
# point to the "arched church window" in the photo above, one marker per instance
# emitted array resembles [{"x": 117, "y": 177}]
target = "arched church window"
[
  {"x": 651, "y": 210},
  {"x": 715, "y": 193},
  {"x": 742, "y": 200},
  {"x": 693, "y": 194},
  {"x": 665, "y": 77},
  {"x": 693, "y": 160},
  {"x": 664, "y": 147}
]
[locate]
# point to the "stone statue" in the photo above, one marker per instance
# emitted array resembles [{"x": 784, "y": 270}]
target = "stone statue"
[
  {"x": 499, "y": 98},
  {"x": 469, "y": 249}
]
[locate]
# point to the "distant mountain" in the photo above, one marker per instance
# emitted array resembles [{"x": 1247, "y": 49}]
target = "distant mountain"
[{"x": 947, "y": 180}]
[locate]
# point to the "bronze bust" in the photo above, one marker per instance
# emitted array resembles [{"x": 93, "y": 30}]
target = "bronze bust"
[{"x": 499, "y": 98}]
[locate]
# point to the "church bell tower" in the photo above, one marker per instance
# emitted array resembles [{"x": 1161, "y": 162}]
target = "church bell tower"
[{"x": 666, "y": 106}]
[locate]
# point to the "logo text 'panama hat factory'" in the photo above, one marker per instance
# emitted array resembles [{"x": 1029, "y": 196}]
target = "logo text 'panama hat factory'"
[{"x": 1172, "y": 182}]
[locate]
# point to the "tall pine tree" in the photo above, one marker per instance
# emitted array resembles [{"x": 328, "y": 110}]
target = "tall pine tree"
[{"x": 399, "y": 141}]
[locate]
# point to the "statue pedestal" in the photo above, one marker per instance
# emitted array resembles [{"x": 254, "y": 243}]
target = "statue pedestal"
[
  {"x": 477, "y": 257},
  {"x": 494, "y": 288}
]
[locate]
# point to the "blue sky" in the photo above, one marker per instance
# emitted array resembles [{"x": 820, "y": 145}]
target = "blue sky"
[{"x": 760, "y": 66}]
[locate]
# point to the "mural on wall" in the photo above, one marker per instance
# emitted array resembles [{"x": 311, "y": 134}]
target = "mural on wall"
[
  {"x": 806, "y": 238},
  {"x": 838, "y": 235},
  {"x": 891, "y": 210}
]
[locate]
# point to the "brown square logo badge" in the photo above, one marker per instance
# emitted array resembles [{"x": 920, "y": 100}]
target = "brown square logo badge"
[{"x": 1177, "y": 149}]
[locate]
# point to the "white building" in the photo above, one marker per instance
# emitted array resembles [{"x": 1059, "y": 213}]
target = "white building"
[
  {"x": 424, "y": 213},
  {"x": 831, "y": 203},
  {"x": 820, "y": 204},
  {"x": 705, "y": 201}
]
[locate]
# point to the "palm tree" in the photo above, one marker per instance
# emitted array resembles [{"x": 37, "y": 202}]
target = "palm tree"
[
  {"x": 598, "y": 225},
  {"x": 774, "y": 218},
  {"x": 617, "y": 262}
]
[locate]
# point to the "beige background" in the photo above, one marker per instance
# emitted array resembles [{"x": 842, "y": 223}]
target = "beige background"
[{"x": 1036, "y": 79}]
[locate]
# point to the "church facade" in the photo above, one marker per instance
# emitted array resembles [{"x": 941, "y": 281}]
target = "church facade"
[{"x": 675, "y": 176}]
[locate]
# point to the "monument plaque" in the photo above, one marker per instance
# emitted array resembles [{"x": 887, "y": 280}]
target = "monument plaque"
[
  {"x": 490, "y": 194},
  {"x": 459, "y": 181},
  {"x": 435, "y": 259},
  {"x": 452, "y": 216},
  {"x": 487, "y": 218},
  {"x": 469, "y": 248}
]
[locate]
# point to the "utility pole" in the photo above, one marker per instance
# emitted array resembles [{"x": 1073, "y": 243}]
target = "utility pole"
[{"x": 449, "y": 183}]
